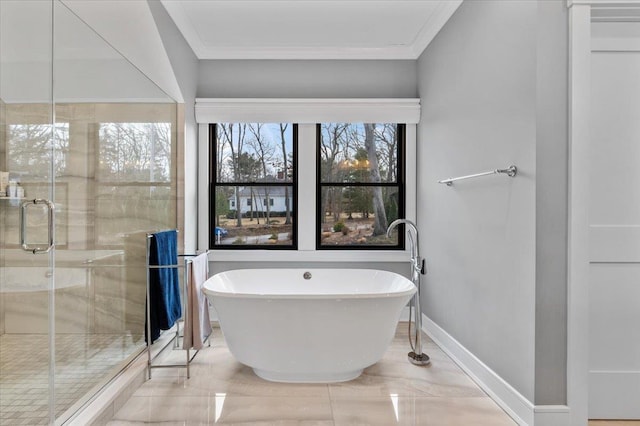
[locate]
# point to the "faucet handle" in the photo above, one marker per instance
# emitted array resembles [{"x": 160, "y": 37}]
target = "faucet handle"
[{"x": 423, "y": 269}]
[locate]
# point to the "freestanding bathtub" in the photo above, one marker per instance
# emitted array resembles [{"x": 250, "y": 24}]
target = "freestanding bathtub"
[{"x": 308, "y": 325}]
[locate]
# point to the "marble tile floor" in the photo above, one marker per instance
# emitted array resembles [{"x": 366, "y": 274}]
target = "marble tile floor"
[
  {"x": 391, "y": 392},
  {"x": 82, "y": 361}
]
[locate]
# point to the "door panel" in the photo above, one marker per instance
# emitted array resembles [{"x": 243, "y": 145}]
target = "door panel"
[{"x": 614, "y": 286}]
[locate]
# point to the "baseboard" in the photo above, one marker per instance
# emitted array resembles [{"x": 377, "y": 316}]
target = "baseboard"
[
  {"x": 509, "y": 399},
  {"x": 552, "y": 415}
]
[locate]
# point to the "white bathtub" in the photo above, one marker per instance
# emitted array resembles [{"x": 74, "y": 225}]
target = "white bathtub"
[{"x": 327, "y": 328}]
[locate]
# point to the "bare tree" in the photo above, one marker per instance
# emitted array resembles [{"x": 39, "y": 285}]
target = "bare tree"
[
  {"x": 283, "y": 129},
  {"x": 387, "y": 134},
  {"x": 380, "y": 223},
  {"x": 330, "y": 149},
  {"x": 265, "y": 154},
  {"x": 227, "y": 130}
]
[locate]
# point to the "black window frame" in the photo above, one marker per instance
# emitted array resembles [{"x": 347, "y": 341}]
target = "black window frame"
[
  {"x": 213, "y": 184},
  {"x": 401, "y": 184}
]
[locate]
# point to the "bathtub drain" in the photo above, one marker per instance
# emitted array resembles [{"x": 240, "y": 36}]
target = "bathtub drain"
[{"x": 307, "y": 275}]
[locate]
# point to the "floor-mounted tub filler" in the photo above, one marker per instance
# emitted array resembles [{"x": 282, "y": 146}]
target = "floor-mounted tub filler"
[
  {"x": 417, "y": 268},
  {"x": 308, "y": 325}
]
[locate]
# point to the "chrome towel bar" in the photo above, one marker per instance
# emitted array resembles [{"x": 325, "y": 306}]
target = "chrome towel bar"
[{"x": 511, "y": 171}]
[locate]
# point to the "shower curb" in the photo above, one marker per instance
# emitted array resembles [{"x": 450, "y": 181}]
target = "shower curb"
[{"x": 104, "y": 406}]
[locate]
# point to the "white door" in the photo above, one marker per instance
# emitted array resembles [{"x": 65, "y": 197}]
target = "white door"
[{"x": 614, "y": 299}]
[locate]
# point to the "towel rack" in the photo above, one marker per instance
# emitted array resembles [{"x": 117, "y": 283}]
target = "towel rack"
[
  {"x": 511, "y": 171},
  {"x": 186, "y": 311}
]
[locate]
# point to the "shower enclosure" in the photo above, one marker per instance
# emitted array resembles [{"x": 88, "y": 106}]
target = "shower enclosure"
[{"x": 91, "y": 143}]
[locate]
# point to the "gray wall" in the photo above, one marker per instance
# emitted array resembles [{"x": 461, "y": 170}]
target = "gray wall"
[
  {"x": 494, "y": 93},
  {"x": 307, "y": 79},
  {"x": 401, "y": 268},
  {"x": 551, "y": 204},
  {"x": 185, "y": 67},
  {"x": 477, "y": 83}
]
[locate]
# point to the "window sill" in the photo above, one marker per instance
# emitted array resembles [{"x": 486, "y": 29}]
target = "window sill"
[{"x": 308, "y": 256}]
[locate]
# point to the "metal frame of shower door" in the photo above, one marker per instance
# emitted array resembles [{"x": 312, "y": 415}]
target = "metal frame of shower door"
[{"x": 186, "y": 309}]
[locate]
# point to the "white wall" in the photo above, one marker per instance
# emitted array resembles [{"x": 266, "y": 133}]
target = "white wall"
[{"x": 493, "y": 88}]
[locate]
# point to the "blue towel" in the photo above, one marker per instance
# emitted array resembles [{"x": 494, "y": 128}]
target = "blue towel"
[{"x": 164, "y": 285}]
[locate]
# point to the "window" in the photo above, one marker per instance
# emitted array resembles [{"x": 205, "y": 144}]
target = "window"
[
  {"x": 253, "y": 163},
  {"x": 316, "y": 194},
  {"x": 360, "y": 185}
]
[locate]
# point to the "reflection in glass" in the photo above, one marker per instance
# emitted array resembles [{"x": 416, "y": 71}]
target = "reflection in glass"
[
  {"x": 30, "y": 147},
  {"x": 135, "y": 152}
]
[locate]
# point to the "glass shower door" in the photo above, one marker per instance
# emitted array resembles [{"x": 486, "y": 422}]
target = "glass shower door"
[
  {"x": 100, "y": 149},
  {"x": 27, "y": 274}
]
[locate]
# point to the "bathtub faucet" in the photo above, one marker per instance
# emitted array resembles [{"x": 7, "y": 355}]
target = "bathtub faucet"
[
  {"x": 417, "y": 263},
  {"x": 417, "y": 268}
]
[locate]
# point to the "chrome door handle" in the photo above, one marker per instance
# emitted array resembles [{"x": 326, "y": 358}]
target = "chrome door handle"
[{"x": 51, "y": 213}]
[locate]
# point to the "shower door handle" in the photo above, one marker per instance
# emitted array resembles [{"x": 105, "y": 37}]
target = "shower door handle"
[{"x": 51, "y": 212}]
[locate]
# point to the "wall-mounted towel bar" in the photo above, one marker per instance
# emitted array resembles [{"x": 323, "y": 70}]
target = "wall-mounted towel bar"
[{"x": 511, "y": 172}]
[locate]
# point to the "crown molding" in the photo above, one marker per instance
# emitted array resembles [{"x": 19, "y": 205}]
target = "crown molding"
[
  {"x": 306, "y": 53},
  {"x": 433, "y": 26}
]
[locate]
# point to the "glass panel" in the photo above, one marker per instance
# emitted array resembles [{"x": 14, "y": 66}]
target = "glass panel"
[
  {"x": 115, "y": 182},
  {"x": 349, "y": 215},
  {"x": 346, "y": 152},
  {"x": 254, "y": 152},
  {"x": 255, "y": 221},
  {"x": 28, "y": 141}
]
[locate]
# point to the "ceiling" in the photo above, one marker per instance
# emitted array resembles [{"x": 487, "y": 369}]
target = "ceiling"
[{"x": 309, "y": 29}]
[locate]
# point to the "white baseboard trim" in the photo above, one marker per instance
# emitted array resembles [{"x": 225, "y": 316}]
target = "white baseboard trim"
[
  {"x": 552, "y": 415},
  {"x": 508, "y": 398}
]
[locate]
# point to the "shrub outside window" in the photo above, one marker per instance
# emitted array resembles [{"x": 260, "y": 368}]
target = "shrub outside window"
[
  {"x": 253, "y": 163},
  {"x": 360, "y": 185}
]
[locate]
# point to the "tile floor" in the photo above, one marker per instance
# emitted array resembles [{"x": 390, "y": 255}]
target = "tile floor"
[
  {"x": 391, "y": 392},
  {"x": 82, "y": 361}
]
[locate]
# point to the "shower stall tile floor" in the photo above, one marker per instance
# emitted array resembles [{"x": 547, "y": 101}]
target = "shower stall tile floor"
[
  {"x": 393, "y": 391},
  {"x": 82, "y": 362}
]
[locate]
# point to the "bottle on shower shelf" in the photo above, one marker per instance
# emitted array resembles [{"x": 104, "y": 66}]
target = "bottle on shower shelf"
[{"x": 20, "y": 191}]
